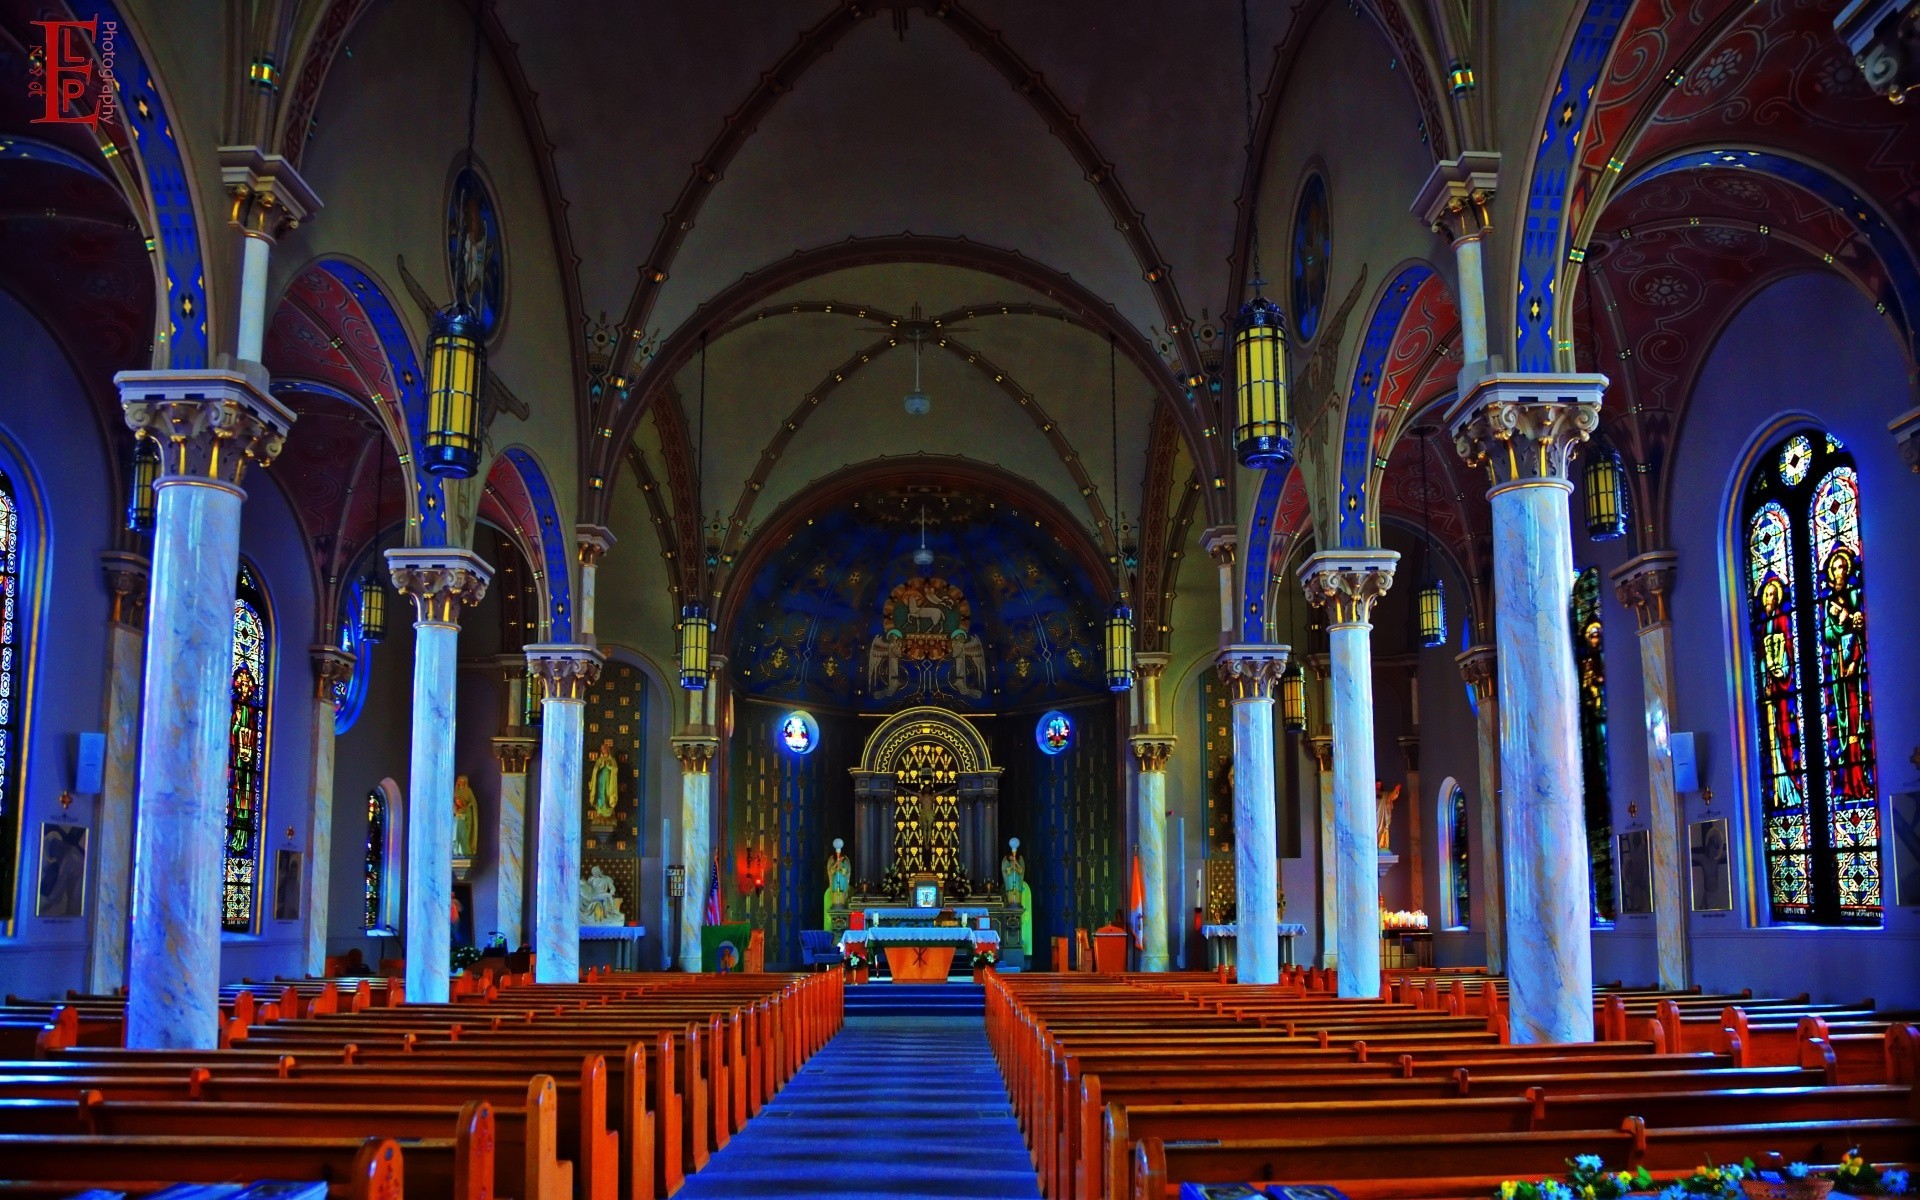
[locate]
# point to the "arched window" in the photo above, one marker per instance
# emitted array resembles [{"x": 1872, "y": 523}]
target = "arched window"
[
  {"x": 376, "y": 859},
  {"x": 15, "y": 616},
  {"x": 1459, "y": 897},
  {"x": 1807, "y": 628},
  {"x": 1589, "y": 659},
  {"x": 246, "y": 751},
  {"x": 350, "y": 694},
  {"x": 380, "y": 862}
]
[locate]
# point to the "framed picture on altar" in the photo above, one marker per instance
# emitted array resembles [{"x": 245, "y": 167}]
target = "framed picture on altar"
[
  {"x": 924, "y": 891},
  {"x": 1707, "y": 857},
  {"x": 1636, "y": 872}
]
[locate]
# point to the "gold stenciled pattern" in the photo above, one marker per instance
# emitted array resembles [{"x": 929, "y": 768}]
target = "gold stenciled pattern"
[{"x": 616, "y": 708}]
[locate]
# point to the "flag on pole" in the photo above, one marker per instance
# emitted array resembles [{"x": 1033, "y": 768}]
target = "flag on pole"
[
  {"x": 1138, "y": 901},
  {"x": 713, "y": 893}
]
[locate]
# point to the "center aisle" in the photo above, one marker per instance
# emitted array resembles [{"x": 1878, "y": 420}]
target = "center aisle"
[{"x": 893, "y": 1106}]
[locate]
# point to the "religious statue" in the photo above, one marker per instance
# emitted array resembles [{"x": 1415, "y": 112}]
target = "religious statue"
[
  {"x": 839, "y": 876},
  {"x": 466, "y": 818},
  {"x": 599, "y": 903},
  {"x": 1013, "y": 872},
  {"x": 603, "y": 783},
  {"x": 1384, "y": 799}
]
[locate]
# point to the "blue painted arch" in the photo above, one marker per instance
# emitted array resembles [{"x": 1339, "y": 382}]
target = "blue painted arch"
[
  {"x": 555, "y": 545},
  {"x": 1369, "y": 368}
]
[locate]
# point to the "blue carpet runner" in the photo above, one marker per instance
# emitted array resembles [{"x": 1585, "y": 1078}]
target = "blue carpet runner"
[
  {"x": 916, "y": 1000},
  {"x": 893, "y": 1106}
]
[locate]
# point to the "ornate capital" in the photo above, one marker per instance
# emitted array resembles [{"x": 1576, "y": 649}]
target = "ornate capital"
[
  {"x": 593, "y": 542},
  {"x": 695, "y": 753},
  {"x": 1905, "y": 429},
  {"x": 1220, "y": 541},
  {"x": 565, "y": 671},
  {"x": 1252, "y": 672},
  {"x": 1643, "y": 584},
  {"x": 209, "y": 424},
  {"x": 1410, "y": 746},
  {"x": 1322, "y": 748},
  {"x": 1150, "y": 664},
  {"x": 1320, "y": 666},
  {"x": 128, "y": 577},
  {"x": 331, "y": 665},
  {"x": 514, "y": 754},
  {"x": 1347, "y": 582},
  {"x": 1523, "y": 428},
  {"x": 269, "y": 196},
  {"x": 1480, "y": 667},
  {"x": 1456, "y": 197},
  {"x": 1153, "y": 750},
  {"x": 440, "y": 582}
]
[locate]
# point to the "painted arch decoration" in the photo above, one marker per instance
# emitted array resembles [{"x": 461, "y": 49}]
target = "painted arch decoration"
[
  {"x": 1369, "y": 373},
  {"x": 519, "y": 498}
]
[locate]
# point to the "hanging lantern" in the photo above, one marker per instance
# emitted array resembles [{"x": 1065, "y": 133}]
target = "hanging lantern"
[
  {"x": 1431, "y": 603},
  {"x": 1120, "y": 648},
  {"x": 1293, "y": 699},
  {"x": 1606, "y": 484},
  {"x": 1263, "y": 434},
  {"x": 456, "y": 374},
  {"x": 373, "y": 609},
  {"x": 694, "y": 632},
  {"x": 141, "y": 500}
]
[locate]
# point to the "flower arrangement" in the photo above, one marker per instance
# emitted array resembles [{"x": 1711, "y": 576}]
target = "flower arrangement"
[
  {"x": 1587, "y": 1179},
  {"x": 1857, "y": 1177},
  {"x": 856, "y": 955},
  {"x": 1709, "y": 1181},
  {"x": 985, "y": 956}
]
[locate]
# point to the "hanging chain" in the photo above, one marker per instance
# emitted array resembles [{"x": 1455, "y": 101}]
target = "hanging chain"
[{"x": 1246, "y": 79}]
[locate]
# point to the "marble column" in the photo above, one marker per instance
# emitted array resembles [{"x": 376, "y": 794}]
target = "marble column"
[
  {"x": 1523, "y": 429},
  {"x": 1411, "y": 802},
  {"x": 440, "y": 582},
  {"x": 1347, "y": 583},
  {"x": 1329, "y": 873},
  {"x": 696, "y": 752},
  {"x": 1252, "y": 675},
  {"x": 593, "y": 542},
  {"x": 1643, "y": 584},
  {"x": 1478, "y": 668},
  {"x": 330, "y": 664},
  {"x": 565, "y": 672},
  {"x": 269, "y": 198},
  {"x": 1220, "y": 542},
  {"x": 210, "y": 426},
  {"x": 1455, "y": 201},
  {"x": 127, "y": 584},
  {"x": 1152, "y": 747},
  {"x": 509, "y": 872}
]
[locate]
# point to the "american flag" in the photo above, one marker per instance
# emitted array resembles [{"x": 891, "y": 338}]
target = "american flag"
[{"x": 713, "y": 893}]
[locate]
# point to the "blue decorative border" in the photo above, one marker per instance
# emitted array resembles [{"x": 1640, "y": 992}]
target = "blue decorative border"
[
  {"x": 20, "y": 149},
  {"x": 1259, "y": 554},
  {"x": 555, "y": 543},
  {"x": 1369, "y": 369}
]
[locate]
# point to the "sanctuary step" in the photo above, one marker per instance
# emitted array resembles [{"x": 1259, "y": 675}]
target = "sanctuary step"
[{"x": 955, "y": 999}]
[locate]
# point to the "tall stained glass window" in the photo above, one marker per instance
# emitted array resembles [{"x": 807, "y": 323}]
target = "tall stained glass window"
[
  {"x": 376, "y": 859},
  {"x": 1807, "y": 631},
  {"x": 1459, "y": 879},
  {"x": 350, "y": 694},
  {"x": 1589, "y": 660},
  {"x": 246, "y": 752},
  {"x": 13, "y": 618}
]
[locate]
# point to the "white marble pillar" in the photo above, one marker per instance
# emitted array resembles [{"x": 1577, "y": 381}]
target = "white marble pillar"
[
  {"x": 269, "y": 198},
  {"x": 1252, "y": 675},
  {"x": 440, "y": 582},
  {"x": 127, "y": 582},
  {"x": 1523, "y": 428},
  {"x": 593, "y": 542},
  {"x": 1347, "y": 583},
  {"x": 565, "y": 672},
  {"x": 696, "y": 752},
  {"x": 1220, "y": 542},
  {"x": 1152, "y": 747},
  {"x": 1329, "y": 872},
  {"x": 330, "y": 663},
  {"x": 1643, "y": 584},
  {"x": 1478, "y": 667},
  {"x": 210, "y": 425},
  {"x": 1455, "y": 201},
  {"x": 509, "y": 872}
]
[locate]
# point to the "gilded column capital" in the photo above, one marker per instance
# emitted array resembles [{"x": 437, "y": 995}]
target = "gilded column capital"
[
  {"x": 1347, "y": 582},
  {"x": 1252, "y": 672},
  {"x": 128, "y": 581},
  {"x": 1151, "y": 664},
  {"x": 1322, "y": 748},
  {"x": 1643, "y": 584},
  {"x": 210, "y": 425},
  {"x": 269, "y": 196},
  {"x": 514, "y": 753},
  {"x": 1480, "y": 667},
  {"x": 593, "y": 542},
  {"x": 1523, "y": 428},
  {"x": 440, "y": 582},
  {"x": 565, "y": 670},
  {"x": 695, "y": 752},
  {"x": 1905, "y": 429},
  {"x": 1320, "y": 666},
  {"x": 1456, "y": 198},
  {"x": 331, "y": 665},
  {"x": 1220, "y": 542},
  {"x": 1153, "y": 749}
]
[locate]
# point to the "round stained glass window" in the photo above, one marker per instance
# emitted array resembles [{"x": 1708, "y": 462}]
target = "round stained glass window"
[
  {"x": 1054, "y": 733},
  {"x": 798, "y": 733},
  {"x": 1312, "y": 248}
]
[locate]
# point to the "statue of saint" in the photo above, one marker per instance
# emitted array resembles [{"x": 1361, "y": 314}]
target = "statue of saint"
[
  {"x": 599, "y": 903},
  {"x": 466, "y": 818},
  {"x": 839, "y": 876},
  {"x": 603, "y": 787},
  {"x": 1013, "y": 872},
  {"x": 1384, "y": 799}
]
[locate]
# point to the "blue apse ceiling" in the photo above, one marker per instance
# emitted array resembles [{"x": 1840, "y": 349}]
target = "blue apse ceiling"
[{"x": 842, "y": 615}]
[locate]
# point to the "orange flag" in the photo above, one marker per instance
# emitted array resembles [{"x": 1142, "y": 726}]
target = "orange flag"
[{"x": 1138, "y": 903}]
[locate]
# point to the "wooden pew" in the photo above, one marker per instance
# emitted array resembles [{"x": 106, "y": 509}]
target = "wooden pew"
[{"x": 353, "y": 1169}]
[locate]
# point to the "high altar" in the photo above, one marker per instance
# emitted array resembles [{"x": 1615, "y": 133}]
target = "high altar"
[{"x": 926, "y": 826}]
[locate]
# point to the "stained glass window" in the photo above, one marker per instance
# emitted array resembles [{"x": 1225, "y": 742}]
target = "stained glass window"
[
  {"x": 1054, "y": 733},
  {"x": 12, "y": 707},
  {"x": 1459, "y": 878},
  {"x": 1589, "y": 659},
  {"x": 246, "y": 752},
  {"x": 375, "y": 863},
  {"x": 350, "y": 694},
  {"x": 1807, "y": 632}
]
